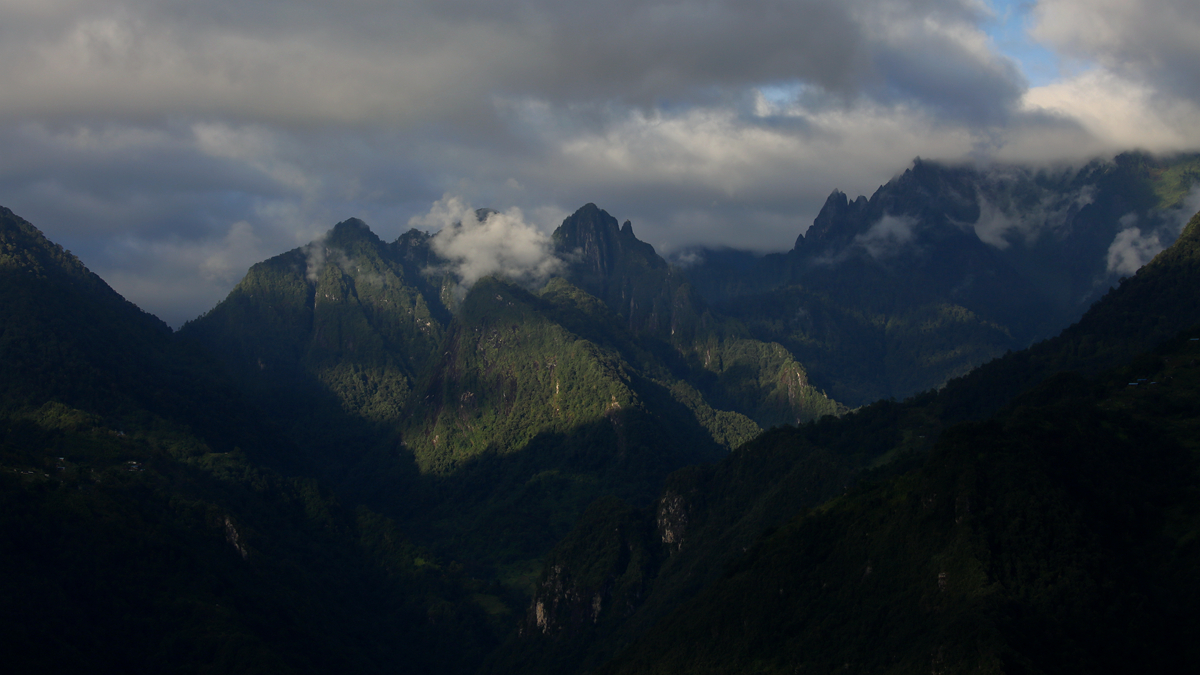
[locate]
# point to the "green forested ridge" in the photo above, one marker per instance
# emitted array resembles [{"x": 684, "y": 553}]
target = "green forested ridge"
[
  {"x": 498, "y": 415},
  {"x": 657, "y": 300}
]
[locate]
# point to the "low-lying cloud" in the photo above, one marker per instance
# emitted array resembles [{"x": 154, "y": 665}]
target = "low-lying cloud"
[
  {"x": 1135, "y": 245},
  {"x": 481, "y": 243},
  {"x": 1000, "y": 221},
  {"x": 1132, "y": 248},
  {"x": 887, "y": 236}
]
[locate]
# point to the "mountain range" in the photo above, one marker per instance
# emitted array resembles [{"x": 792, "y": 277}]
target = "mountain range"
[
  {"x": 945, "y": 267},
  {"x": 358, "y": 461}
]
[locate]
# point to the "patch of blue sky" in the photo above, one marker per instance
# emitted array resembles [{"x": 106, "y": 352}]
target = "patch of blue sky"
[
  {"x": 1009, "y": 30},
  {"x": 781, "y": 94}
]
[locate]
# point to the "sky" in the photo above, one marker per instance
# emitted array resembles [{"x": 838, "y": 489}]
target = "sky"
[{"x": 172, "y": 144}]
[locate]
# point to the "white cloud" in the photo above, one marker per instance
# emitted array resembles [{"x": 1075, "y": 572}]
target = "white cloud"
[
  {"x": 887, "y": 236},
  {"x": 1119, "y": 113},
  {"x": 999, "y": 223},
  {"x": 498, "y": 244},
  {"x": 1131, "y": 249},
  {"x": 1152, "y": 41}
]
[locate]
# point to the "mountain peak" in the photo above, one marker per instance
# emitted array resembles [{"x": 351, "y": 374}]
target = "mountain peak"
[
  {"x": 592, "y": 234},
  {"x": 591, "y": 238},
  {"x": 830, "y": 222},
  {"x": 25, "y": 251},
  {"x": 349, "y": 231}
]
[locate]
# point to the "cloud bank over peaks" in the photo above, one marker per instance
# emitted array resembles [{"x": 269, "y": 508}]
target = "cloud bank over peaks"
[
  {"x": 1151, "y": 41},
  {"x": 480, "y": 243},
  {"x": 136, "y": 132}
]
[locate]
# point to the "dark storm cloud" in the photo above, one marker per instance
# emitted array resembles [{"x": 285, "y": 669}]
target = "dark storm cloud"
[{"x": 363, "y": 62}]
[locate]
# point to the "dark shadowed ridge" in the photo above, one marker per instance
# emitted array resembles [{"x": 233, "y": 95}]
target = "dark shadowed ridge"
[{"x": 144, "y": 529}]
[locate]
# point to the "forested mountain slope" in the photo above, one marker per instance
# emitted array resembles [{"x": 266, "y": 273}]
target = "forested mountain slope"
[
  {"x": 142, "y": 528},
  {"x": 348, "y": 465},
  {"x": 625, "y": 573},
  {"x": 489, "y": 420},
  {"x": 1059, "y": 536}
]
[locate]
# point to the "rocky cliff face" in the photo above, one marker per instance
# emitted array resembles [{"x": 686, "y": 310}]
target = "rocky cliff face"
[
  {"x": 615, "y": 266},
  {"x": 672, "y": 517},
  {"x": 600, "y": 573},
  {"x": 597, "y": 249}
]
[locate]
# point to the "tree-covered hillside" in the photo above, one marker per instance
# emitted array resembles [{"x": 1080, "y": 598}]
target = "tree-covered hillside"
[
  {"x": 1059, "y": 536},
  {"x": 143, "y": 527},
  {"x": 658, "y": 578},
  {"x": 496, "y": 414}
]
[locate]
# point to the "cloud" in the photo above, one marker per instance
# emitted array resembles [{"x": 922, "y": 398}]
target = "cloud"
[
  {"x": 477, "y": 244},
  {"x": 138, "y": 126},
  {"x": 296, "y": 63},
  {"x": 1152, "y": 41},
  {"x": 314, "y": 259},
  {"x": 1131, "y": 248},
  {"x": 1135, "y": 246},
  {"x": 1013, "y": 204},
  {"x": 887, "y": 236},
  {"x": 1119, "y": 112},
  {"x": 1188, "y": 208}
]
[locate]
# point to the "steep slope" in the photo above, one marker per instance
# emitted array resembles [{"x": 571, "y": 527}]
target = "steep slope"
[
  {"x": 1058, "y": 537},
  {"x": 142, "y": 529},
  {"x": 1151, "y": 306},
  {"x": 488, "y": 429},
  {"x": 657, "y": 302},
  {"x": 539, "y": 405},
  {"x": 345, "y": 313}
]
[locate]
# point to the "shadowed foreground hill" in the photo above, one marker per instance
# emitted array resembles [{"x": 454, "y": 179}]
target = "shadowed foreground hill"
[
  {"x": 689, "y": 594},
  {"x": 1060, "y": 536},
  {"x": 141, "y": 529}
]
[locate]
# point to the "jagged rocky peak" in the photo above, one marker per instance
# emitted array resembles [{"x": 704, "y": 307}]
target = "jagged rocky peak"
[
  {"x": 838, "y": 217},
  {"x": 590, "y": 233},
  {"x": 591, "y": 239}
]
